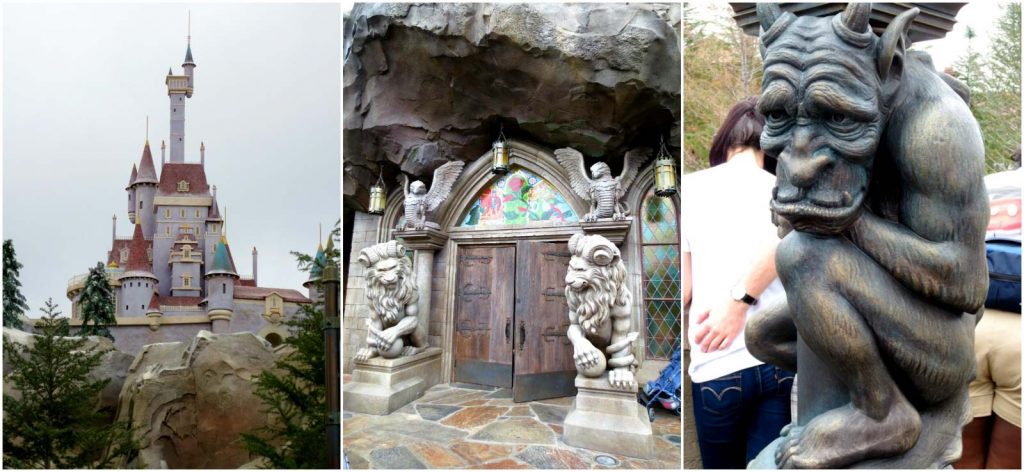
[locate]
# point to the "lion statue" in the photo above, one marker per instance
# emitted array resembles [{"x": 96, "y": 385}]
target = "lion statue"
[
  {"x": 883, "y": 209},
  {"x": 392, "y": 295},
  {"x": 599, "y": 311}
]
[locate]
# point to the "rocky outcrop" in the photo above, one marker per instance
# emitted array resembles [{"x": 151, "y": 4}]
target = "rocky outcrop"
[
  {"x": 192, "y": 401},
  {"x": 113, "y": 365},
  {"x": 428, "y": 83}
]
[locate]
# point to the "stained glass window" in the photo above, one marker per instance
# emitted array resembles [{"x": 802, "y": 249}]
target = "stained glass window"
[
  {"x": 518, "y": 198},
  {"x": 659, "y": 223}
]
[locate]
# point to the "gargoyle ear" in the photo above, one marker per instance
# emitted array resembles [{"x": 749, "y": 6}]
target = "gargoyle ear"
[{"x": 892, "y": 47}]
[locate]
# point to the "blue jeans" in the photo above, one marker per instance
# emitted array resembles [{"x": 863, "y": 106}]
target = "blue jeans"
[{"x": 737, "y": 415}]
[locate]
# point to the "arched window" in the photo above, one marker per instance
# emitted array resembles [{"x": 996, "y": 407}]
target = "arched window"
[
  {"x": 662, "y": 294},
  {"x": 518, "y": 198}
]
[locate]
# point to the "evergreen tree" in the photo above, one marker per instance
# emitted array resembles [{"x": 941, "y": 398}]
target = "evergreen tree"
[
  {"x": 54, "y": 423},
  {"x": 14, "y": 301},
  {"x": 294, "y": 392},
  {"x": 97, "y": 302}
]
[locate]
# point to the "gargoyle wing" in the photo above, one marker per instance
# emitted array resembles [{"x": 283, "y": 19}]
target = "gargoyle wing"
[
  {"x": 444, "y": 178},
  {"x": 631, "y": 167},
  {"x": 572, "y": 161}
]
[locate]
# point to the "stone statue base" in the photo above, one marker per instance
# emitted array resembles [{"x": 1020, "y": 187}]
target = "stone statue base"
[
  {"x": 380, "y": 386},
  {"x": 614, "y": 230},
  {"x": 608, "y": 420},
  {"x": 938, "y": 446}
]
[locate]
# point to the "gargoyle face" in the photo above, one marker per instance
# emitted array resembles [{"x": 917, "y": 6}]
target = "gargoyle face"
[
  {"x": 600, "y": 170},
  {"x": 387, "y": 272},
  {"x": 820, "y": 98},
  {"x": 417, "y": 188},
  {"x": 580, "y": 274}
]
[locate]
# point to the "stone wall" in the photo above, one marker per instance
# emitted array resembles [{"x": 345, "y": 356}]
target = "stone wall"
[
  {"x": 130, "y": 339},
  {"x": 439, "y": 298},
  {"x": 356, "y": 313}
]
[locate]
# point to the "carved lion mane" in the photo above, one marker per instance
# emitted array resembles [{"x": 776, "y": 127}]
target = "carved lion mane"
[
  {"x": 604, "y": 278},
  {"x": 388, "y": 301}
]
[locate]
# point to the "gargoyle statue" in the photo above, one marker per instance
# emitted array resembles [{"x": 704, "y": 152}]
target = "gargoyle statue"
[
  {"x": 604, "y": 192},
  {"x": 880, "y": 195},
  {"x": 599, "y": 305},
  {"x": 391, "y": 293},
  {"x": 420, "y": 203}
]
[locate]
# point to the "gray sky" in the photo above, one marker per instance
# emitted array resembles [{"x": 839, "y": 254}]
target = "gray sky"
[
  {"x": 980, "y": 15},
  {"x": 78, "y": 82}
]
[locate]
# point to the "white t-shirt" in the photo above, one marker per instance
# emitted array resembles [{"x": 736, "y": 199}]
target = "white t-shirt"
[{"x": 726, "y": 223}]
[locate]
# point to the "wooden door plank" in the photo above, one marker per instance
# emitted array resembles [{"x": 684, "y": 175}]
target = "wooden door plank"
[{"x": 483, "y": 306}]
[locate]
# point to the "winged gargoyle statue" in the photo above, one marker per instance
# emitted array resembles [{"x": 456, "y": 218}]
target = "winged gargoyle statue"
[
  {"x": 604, "y": 192},
  {"x": 420, "y": 203}
]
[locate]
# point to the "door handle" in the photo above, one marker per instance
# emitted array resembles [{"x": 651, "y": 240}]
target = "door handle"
[
  {"x": 522, "y": 335},
  {"x": 508, "y": 330}
]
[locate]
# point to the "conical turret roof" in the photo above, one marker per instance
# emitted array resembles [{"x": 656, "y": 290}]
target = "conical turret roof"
[
  {"x": 135, "y": 173},
  {"x": 188, "y": 56},
  {"x": 214, "y": 211},
  {"x": 138, "y": 258},
  {"x": 222, "y": 262},
  {"x": 147, "y": 171},
  {"x": 316, "y": 269},
  {"x": 154, "y": 304}
]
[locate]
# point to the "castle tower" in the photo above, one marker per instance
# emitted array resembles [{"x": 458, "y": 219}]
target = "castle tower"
[
  {"x": 315, "y": 271},
  {"x": 131, "y": 194},
  {"x": 220, "y": 287},
  {"x": 186, "y": 257},
  {"x": 179, "y": 87},
  {"x": 142, "y": 191},
  {"x": 138, "y": 282}
]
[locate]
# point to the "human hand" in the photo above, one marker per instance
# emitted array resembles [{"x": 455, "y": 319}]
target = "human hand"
[{"x": 718, "y": 328}]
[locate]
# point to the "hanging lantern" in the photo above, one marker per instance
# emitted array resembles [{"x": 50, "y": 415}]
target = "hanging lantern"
[
  {"x": 377, "y": 197},
  {"x": 500, "y": 151},
  {"x": 664, "y": 172}
]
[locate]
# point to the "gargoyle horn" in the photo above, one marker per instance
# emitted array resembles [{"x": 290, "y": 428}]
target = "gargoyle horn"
[{"x": 856, "y": 16}]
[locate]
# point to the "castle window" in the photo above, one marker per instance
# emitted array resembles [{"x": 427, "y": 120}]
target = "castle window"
[
  {"x": 167, "y": 212},
  {"x": 188, "y": 251},
  {"x": 182, "y": 210},
  {"x": 124, "y": 255},
  {"x": 149, "y": 253},
  {"x": 224, "y": 288},
  {"x": 659, "y": 239},
  {"x": 186, "y": 280},
  {"x": 197, "y": 213},
  {"x": 183, "y": 187},
  {"x": 126, "y": 308},
  {"x": 140, "y": 204},
  {"x": 168, "y": 228},
  {"x": 143, "y": 307}
]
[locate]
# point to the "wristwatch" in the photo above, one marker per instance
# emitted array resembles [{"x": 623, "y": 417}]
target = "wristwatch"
[{"x": 740, "y": 294}]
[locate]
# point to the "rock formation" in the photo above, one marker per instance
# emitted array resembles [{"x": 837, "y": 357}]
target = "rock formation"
[
  {"x": 425, "y": 84},
  {"x": 191, "y": 401}
]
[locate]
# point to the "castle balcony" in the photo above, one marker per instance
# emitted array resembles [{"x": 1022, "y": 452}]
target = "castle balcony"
[
  {"x": 77, "y": 282},
  {"x": 177, "y": 84}
]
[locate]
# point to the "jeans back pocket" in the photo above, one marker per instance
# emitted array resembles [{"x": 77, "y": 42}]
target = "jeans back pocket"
[{"x": 723, "y": 395}]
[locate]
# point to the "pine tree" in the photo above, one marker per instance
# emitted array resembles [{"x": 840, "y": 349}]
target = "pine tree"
[
  {"x": 14, "y": 301},
  {"x": 97, "y": 302},
  {"x": 294, "y": 392},
  {"x": 54, "y": 423}
]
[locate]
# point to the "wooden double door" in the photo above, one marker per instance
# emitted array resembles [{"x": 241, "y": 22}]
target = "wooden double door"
[{"x": 511, "y": 319}]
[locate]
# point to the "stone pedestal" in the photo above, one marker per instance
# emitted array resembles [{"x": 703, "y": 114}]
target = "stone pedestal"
[
  {"x": 380, "y": 386},
  {"x": 608, "y": 420},
  {"x": 614, "y": 230}
]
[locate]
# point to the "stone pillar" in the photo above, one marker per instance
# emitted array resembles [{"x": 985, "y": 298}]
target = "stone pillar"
[{"x": 425, "y": 242}]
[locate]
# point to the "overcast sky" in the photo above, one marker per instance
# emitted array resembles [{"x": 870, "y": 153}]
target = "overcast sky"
[{"x": 78, "y": 82}]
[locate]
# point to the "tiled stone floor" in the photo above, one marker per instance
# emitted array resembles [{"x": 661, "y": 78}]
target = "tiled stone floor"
[{"x": 460, "y": 426}]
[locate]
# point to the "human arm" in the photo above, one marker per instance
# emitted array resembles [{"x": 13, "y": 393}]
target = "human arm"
[{"x": 719, "y": 326}]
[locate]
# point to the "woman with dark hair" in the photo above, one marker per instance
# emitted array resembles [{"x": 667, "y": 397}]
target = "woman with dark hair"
[{"x": 739, "y": 403}]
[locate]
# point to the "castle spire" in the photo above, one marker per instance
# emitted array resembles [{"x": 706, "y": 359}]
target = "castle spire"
[
  {"x": 135, "y": 174},
  {"x": 147, "y": 171}
]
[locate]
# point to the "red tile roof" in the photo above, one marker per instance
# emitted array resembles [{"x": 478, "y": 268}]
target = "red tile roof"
[
  {"x": 259, "y": 293},
  {"x": 245, "y": 283},
  {"x": 194, "y": 174},
  {"x": 147, "y": 172},
  {"x": 138, "y": 259},
  {"x": 115, "y": 250},
  {"x": 154, "y": 302},
  {"x": 180, "y": 301}
]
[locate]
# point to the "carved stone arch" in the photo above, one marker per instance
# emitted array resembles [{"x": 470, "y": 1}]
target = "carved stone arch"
[
  {"x": 394, "y": 207},
  {"x": 477, "y": 175}
]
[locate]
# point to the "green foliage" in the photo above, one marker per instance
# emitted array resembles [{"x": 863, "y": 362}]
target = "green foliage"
[
  {"x": 723, "y": 66},
  {"x": 294, "y": 393},
  {"x": 53, "y": 423},
  {"x": 14, "y": 301},
  {"x": 97, "y": 302},
  {"x": 993, "y": 77}
]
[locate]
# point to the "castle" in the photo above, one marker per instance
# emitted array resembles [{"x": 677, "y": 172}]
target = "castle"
[{"x": 176, "y": 274}]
